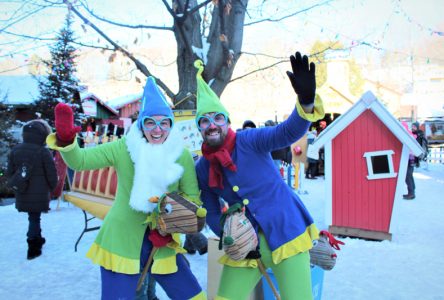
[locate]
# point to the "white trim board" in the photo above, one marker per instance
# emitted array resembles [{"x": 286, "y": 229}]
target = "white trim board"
[
  {"x": 368, "y": 159},
  {"x": 368, "y": 101}
]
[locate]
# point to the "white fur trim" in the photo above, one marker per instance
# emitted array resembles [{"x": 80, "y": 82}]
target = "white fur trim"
[{"x": 155, "y": 166}]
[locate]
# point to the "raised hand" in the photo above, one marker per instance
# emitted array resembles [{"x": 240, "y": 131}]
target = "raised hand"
[
  {"x": 64, "y": 124},
  {"x": 303, "y": 78}
]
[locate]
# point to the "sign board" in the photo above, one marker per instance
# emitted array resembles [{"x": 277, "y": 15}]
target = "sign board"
[
  {"x": 185, "y": 120},
  {"x": 90, "y": 108}
]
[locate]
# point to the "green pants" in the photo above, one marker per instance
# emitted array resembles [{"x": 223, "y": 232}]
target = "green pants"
[{"x": 292, "y": 274}]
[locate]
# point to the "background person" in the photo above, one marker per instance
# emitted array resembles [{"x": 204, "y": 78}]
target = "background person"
[
  {"x": 310, "y": 172},
  {"x": 409, "y": 180},
  {"x": 279, "y": 155},
  {"x": 422, "y": 141},
  {"x": 35, "y": 199},
  {"x": 248, "y": 124}
]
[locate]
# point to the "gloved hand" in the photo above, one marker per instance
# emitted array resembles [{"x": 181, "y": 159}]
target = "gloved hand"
[
  {"x": 303, "y": 78},
  {"x": 64, "y": 124},
  {"x": 253, "y": 254},
  {"x": 159, "y": 240}
]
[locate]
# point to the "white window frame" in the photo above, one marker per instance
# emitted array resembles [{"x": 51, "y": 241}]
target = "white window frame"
[{"x": 368, "y": 156}]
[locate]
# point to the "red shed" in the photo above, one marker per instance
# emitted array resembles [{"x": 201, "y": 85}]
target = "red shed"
[{"x": 366, "y": 157}]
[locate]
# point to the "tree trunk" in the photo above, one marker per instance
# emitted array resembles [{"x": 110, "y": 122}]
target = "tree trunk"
[
  {"x": 225, "y": 39},
  {"x": 188, "y": 35},
  {"x": 223, "y": 56}
]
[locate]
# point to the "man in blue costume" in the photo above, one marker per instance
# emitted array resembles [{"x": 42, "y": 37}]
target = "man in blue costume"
[{"x": 238, "y": 168}]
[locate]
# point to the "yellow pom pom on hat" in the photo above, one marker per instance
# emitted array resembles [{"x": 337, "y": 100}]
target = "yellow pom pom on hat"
[{"x": 207, "y": 100}]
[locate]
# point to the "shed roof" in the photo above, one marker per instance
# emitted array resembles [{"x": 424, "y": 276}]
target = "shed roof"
[
  {"x": 368, "y": 101},
  {"x": 87, "y": 95},
  {"x": 19, "y": 89},
  {"x": 119, "y": 102}
]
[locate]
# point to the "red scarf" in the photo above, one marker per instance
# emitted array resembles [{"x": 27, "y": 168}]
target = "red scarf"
[{"x": 220, "y": 157}]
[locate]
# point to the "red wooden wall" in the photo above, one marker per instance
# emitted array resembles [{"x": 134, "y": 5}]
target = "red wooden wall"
[
  {"x": 128, "y": 110},
  {"x": 357, "y": 201}
]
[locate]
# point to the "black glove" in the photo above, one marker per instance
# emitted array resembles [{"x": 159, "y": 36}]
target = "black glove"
[
  {"x": 254, "y": 254},
  {"x": 303, "y": 78}
]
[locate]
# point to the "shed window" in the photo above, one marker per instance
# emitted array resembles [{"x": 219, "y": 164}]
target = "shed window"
[{"x": 380, "y": 164}]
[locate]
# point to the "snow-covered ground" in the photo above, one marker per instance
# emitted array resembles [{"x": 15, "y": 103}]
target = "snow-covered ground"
[{"x": 408, "y": 267}]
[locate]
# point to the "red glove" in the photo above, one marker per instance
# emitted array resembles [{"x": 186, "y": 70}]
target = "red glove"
[
  {"x": 159, "y": 240},
  {"x": 64, "y": 124}
]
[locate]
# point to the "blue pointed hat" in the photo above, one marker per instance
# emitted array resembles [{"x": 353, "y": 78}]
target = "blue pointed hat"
[{"x": 153, "y": 102}]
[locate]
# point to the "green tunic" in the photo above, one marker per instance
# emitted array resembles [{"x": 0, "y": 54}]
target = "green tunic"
[{"x": 118, "y": 245}]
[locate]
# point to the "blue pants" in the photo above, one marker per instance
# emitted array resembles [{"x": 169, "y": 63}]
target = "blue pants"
[
  {"x": 180, "y": 285},
  {"x": 409, "y": 180}
]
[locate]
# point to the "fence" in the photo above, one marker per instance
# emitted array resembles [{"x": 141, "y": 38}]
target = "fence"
[{"x": 436, "y": 154}]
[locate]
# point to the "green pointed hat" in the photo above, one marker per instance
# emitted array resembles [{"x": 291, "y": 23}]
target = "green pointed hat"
[{"x": 207, "y": 100}]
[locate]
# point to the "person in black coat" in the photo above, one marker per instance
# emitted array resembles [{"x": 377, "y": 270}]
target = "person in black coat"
[
  {"x": 43, "y": 179},
  {"x": 279, "y": 155}
]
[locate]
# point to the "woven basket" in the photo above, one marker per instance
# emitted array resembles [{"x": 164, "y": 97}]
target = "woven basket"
[
  {"x": 178, "y": 215},
  {"x": 239, "y": 236}
]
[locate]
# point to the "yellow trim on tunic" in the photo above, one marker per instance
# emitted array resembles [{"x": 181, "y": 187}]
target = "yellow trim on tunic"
[
  {"x": 300, "y": 244},
  {"x": 244, "y": 263},
  {"x": 164, "y": 265},
  {"x": 51, "y": 141},
  {"x": 164, "y": 261},
  {"x": 112, "y": 261},
  {"x": 200, "y": 296},
  {"x": 317, "y": 114}
]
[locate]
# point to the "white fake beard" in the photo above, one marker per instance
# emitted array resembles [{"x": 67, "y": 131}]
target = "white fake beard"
[{"x": 155, "y": 166}]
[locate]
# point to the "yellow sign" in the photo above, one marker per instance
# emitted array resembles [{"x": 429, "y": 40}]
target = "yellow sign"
[{"x": 185, "y": 120}]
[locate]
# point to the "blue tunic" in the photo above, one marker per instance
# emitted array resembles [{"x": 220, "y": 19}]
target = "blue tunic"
[{"x": 273, "y": 207}]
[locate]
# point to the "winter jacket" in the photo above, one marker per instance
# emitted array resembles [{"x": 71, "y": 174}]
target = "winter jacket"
[{"x": 44, "y": 175}]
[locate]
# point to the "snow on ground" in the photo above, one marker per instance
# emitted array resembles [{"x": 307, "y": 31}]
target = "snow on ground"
[{"x": 408, "y": 267}]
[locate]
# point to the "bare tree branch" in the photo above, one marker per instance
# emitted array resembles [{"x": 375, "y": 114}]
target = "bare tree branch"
[
  {"x": 259, "y": 70},
  {"x": 22, "y": 18},
  {"x": 170, "y": 10},
  {"x": 53, "y": 39},
  {"x": 262, "y": 54},
  {"x": 287, "y": 16},
  {"x": 196, "y": 8},
  {"x": 178, "y": 22},
  {"x": 29, "y": 36},
  {"x": 124, "y": 25},
  {"x": 285, "y": 60},
  {"x": 140, "y": 66}
]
